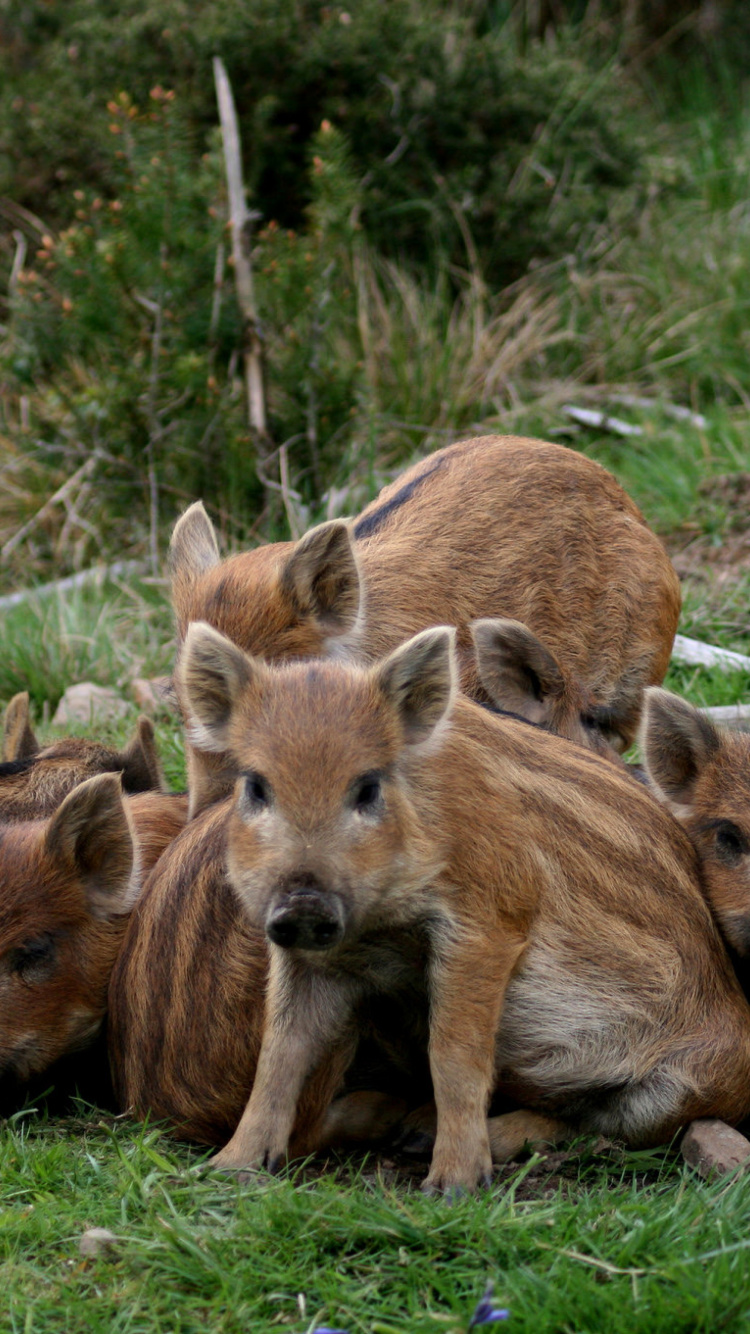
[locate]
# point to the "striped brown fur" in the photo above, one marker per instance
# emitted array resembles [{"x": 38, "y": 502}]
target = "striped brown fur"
[
  {"x": 186, "y": 997},
  {"x": 494, "y": 526},
  {"x": 415, "y": 843},
  {"x": 68, "y": 885},
  {"x": 34, "y": 779},
  {"x": 702, "y": 773}
]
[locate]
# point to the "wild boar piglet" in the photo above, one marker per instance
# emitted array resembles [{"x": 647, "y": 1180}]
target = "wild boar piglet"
[
  {"x": 69, "y": 883},
  {"x": 497, "y": 526},
  {"x": 702, "y": 773},
  {"x": 35, "y": 778},
  {"x": 540, "y": 910}
]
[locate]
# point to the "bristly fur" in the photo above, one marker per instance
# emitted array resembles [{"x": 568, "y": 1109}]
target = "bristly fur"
[
  {"x": 702, "y": 773},
  {"x": 69, "y": 883},
  {"x": 489, "y": 527},
  {"x": 34, "y": 779},
  {"x": 547, "y": 906}
]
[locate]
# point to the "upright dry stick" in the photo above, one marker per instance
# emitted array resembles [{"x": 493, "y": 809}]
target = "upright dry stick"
[{"x": 243, "y": 272}]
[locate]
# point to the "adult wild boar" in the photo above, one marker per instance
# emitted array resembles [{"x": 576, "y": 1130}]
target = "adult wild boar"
[
  {"x": 393, "y": 839},
  {"x": 35, "y": 778},
  {"x": 69, "y": 884},
  {"x": 494, "y": 526}
]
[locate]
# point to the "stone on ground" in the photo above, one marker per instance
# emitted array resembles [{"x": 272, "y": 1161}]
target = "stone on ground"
[
  {"x": 714, "y": 1148},
  {"x": 88, "y": 703}
]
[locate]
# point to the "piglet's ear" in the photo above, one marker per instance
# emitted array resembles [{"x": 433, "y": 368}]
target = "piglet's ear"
[
  {"x": 213, "y": 673},
  {"x": 518, "y": 672},
  {"x": 193, "y": 549},
  {"x": 418, "y": 680},
  {"x": 677, "y": 742},
  {"x": 141, "y": 766},
  {"x": 19, "y": 742},
  {"x": 91, "y": 836},
  {"x": 321, "y": 578}
]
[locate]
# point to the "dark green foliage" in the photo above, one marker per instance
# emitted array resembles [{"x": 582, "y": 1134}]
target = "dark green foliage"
[{"x": 446, "y": 120}]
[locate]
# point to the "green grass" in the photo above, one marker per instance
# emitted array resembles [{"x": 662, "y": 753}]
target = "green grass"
[
  {"x": 655, "y": 304},
  {"x": 633, "y": 1242},
  {"x": 108, "y": 635},
  {"x": 617, "y": 1241}
]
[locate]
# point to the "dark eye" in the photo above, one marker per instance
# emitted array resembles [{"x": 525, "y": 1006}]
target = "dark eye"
[
  {"x": 368, "y": 794},
  {"x": 731, "y": 843},
  {"x": 32, "y": 960},
  {"x": 604, "y": 729},
  {"x": 257, "y": 792}
]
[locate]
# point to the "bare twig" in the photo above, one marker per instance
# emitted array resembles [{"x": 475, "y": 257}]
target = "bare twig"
[
  {"x": 19, "y": 259},
  {"x": 59, "y": 497},
  {"x": 316, "y": 330},
  {"x": 286, "y": 495},
  {"x": 153, "y": 417},
  {"x": 19, "y": 216},
  {"x": 218, "y": 292},
  {"x": 239, "y": 219}
]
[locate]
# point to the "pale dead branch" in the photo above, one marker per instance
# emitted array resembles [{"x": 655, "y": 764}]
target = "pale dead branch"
[
  {"x": 694, "y": 653},
  {"x": 239, "y": 220}
]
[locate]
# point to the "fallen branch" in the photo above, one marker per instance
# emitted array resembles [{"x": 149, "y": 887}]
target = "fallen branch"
[
  {"x": 694, "y": 653},
  {"x": 120, "y": 569},
  {"x": 600, "y": 421},
  {"x": 674, "y": 410},
  {"x": 736, "y": 716}
]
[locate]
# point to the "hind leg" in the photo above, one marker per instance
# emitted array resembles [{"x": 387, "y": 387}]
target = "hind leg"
[
  {"x": 360, "y": 1117},
  {"x": 512, "y": 1132}
]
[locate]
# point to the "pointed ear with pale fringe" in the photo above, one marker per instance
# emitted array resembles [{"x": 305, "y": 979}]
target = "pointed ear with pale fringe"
[
  {"x": 92, "y": 835},
  {"x": 213, "y": 673},
  {"x": 677, "y": 742},
  {"x": 321, "y": 578},
  {"x": 193, "y": 549},
  {"x": 419, "y": 681},
  {"x": 516, "y": 669},
  {"x": 142, "y": 771},
  {"x": 19, "y": 742}
]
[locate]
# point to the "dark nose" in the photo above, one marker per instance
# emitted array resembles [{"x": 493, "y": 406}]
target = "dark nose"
[{"x": 306, "y": 922}]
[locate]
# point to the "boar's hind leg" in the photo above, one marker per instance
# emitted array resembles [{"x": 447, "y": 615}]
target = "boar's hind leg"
[
  {"x": 512, "y": 1132},
  {"x": 307, "y": 1036}
]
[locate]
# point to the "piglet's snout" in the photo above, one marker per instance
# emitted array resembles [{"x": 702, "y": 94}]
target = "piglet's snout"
[{"x": 306, "y": 920}]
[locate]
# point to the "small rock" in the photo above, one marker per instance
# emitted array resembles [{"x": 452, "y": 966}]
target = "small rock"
[
  {"x": 97, "y": 1241},
  {"x": 87, "y": 703},
  {"x": 144, "y": 695},
  {"x": 155, "y": 695},
  {"x": 713, "y": 1148}
]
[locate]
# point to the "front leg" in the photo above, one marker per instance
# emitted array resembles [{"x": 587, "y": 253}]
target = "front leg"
[
  {"x": 307, "y": 1015},
  {"x": 469, "y": 974}
]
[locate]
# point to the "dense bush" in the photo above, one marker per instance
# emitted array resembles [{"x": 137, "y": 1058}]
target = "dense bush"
[
  {"x": 449, "y": 126},
  {"x": 453, "y": 211}
]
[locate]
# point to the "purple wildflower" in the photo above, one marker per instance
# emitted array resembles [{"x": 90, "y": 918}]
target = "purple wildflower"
[
  {"x": 485, "y": 1313},
  {"x": 323, "y": 1329}
]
